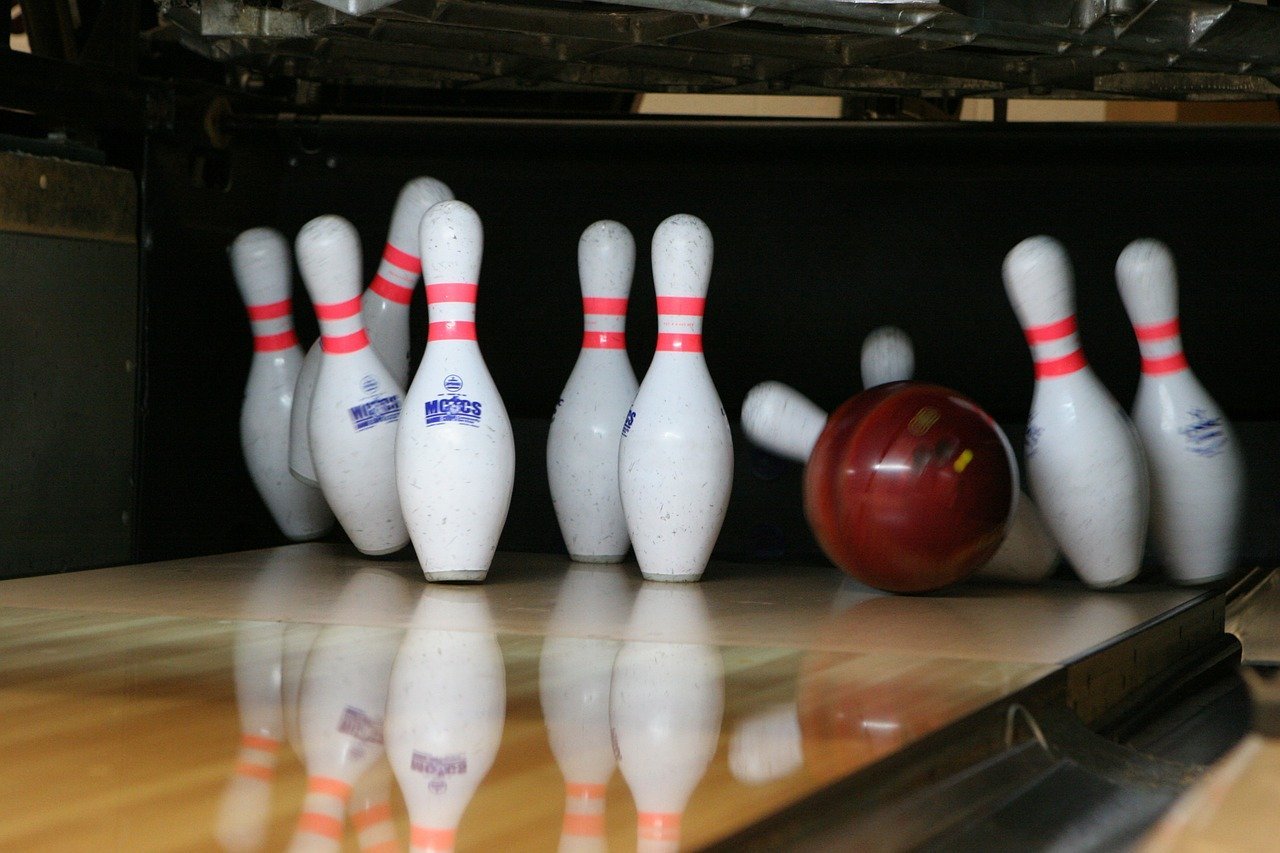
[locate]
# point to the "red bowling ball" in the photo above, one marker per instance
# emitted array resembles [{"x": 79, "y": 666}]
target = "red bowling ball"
[{"x": 910, "y": 487}]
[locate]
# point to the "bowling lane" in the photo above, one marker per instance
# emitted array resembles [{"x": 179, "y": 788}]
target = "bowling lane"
[{"x": 185, "y": 704}]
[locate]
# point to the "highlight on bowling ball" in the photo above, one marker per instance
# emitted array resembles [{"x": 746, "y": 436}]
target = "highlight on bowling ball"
[{"x": 910, "y": 487}]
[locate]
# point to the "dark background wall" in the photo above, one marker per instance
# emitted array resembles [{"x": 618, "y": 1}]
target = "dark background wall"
[{"x": 823, "y": 231}]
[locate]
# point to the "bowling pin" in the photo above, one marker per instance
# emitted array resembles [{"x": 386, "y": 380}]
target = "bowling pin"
[
  {"x": 574, "y": 673},
  {"x": 356, "y": 403},
  {"x": 455, "y": 454},
  {"x": 675, "y": 465},
  {"x": 666, "y": 702},
  {"x": 384, "y": 306},
  {"x": 260, "y": 263},
  {"x": 1084, "y": 462},
  {"x": 887, "y": 356},
  {"x": 1028, "y": 554},
  {"x": 786, "y": 423},
  {"x": 582, "y": 445},
  {"x": 1197, "y": 473},
  {"x": 445, "y": 711},
  {"x": 342, "y": 703}
]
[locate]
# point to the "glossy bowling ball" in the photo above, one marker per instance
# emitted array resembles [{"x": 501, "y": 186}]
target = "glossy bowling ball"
[{"x": 910, "y": 487}]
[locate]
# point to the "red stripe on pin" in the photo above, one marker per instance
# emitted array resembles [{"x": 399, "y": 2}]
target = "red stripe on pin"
[
  {"x": 603, "y": 305},
  {"x": 1166, "y": 364},
  {"x": 271, "y": 310},
  {"x": 451, "y": 330},
  {"x": 1158, "y": 331},
  {"x": 338, "y": 310},
  {"x": 604, "y": 340},
  {"x": 451, "y": 292},
  {"x": 391, "y": 291},
  {"x": 1051, "y": 331},
  {"x": 339, "y": 344},
  {"x": 404, "y": 260},
  {"x": 672, "y": 342},
  {"x": 1062, "y": 366},
  {"x": 658, "y": 826},
  {"x": 687, "y": 305},
  {"x": 320, "y": 824},
  {"x": 431, "y": 838},
  {"x": 273, "y": 343}
]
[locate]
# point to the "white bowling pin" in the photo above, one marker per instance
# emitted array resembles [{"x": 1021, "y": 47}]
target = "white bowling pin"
[
  {"x": 356, "y": 404},
  {"x": 666, "y": 705},
  {"x": 260, "y": 263},
  {"x": 785, "y": 422},
  {"x": 1084, "y": 462},
  {"x": 1028, "y": 553},
  {"x": 1197, "y": 473},
  {"x": 245, "y": 808},
  {"x": 582, "y": 444},
  {"x": 675, "y": 461},
  {"x": 445, "y": 711},
  {"x": 887, "y": 356},
  {"x": 384, "y": 306},
  {"x": 455, "y": 454},
  {"x": 342, "y": 703},
  {"x": 574, "y": 673}
]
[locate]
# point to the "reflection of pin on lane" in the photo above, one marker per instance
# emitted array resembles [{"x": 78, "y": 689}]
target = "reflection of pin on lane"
[
  {"x": 445, "y": 711},
  {"x": 260, "y": 262},
  {"x": 455, "y": 452},
  {"x": 1197, "y": 473},
  {"x": 666, "y": 704},
  {"x": 356, "y": 404},
  {"x": 675, "y": 460},
  {"x": 574, "y": 673},
  {"x": 370, "y": 810},
  {"x": 342, "y": 704},
  {"x": 246, "y": 803},
  {"x": 785, "y": 422},
  {"x": 1079, "y": 443},
  {"x": 582, "y": 445},
  {"x": 384, "y": 306}
]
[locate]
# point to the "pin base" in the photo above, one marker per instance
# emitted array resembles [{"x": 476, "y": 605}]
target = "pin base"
[
  {"x": 306, "y": 481},
  {"x": 597, "y": 558},
  {"x": 381, "y": 552},
  {"x": 1109, "y": 584},
  {"x": 1200, "y": 581},
  {"x": 655, "y": 576},
  {"x": 457, "y": 576}
]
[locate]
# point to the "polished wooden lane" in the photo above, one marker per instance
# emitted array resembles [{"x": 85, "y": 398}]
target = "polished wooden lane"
[{"x": 126, "y": 691}]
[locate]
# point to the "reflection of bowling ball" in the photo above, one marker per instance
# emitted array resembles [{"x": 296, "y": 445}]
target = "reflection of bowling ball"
[{"x": 910, "y": 487}]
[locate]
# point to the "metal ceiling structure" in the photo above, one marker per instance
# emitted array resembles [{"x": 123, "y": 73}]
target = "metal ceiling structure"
[{"x": 1177, "y": 49}]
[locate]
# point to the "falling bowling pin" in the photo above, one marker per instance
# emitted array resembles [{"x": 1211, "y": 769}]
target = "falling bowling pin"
[
  {"x": 887, "y": 356},
  {"x": 666, "y": 706},
  {"x": 445, "y": 711},
  {"x": 1084, "y": 461},
  {"x": 582, "y": 445},
  {"x": 675, "y": 462},
  {"x": 1197, "y": 473},
  {"x": 356, "y": 404},
  {"x": 455, "y": 454},
  {"x": 384, "y": 306},
  {"x": 262, "y": 269}
]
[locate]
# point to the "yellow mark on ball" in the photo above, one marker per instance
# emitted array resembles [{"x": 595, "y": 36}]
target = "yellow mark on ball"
[
  {"x": 923, "y": 421},
  {"x": 963, "y": 460}
]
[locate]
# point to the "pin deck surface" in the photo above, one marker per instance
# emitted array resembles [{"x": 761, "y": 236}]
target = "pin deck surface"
[{"x": 123, "y": 723}]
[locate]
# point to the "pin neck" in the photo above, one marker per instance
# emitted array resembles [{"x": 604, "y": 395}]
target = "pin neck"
[
  {"x": 272, "y": 325},
  {"x": 397, "y": 275},
  {"x": 1055, "y": 348},
  {"x": 680, "y": 323},
  {"x": 451, "y": 307},
  {"x": 1160, "y": 345},
  {"x": 341, "y": 326}
]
